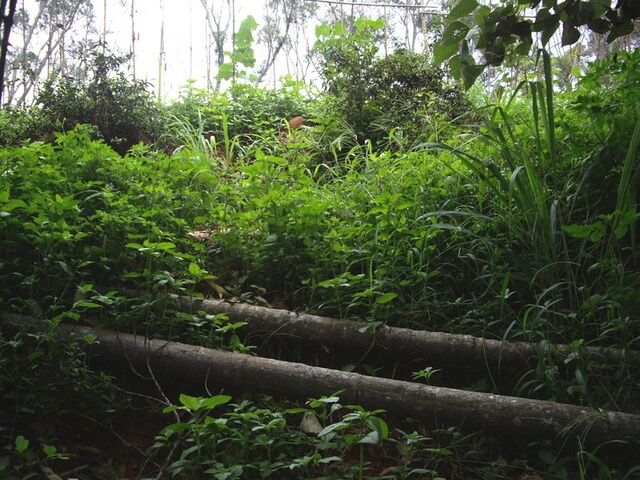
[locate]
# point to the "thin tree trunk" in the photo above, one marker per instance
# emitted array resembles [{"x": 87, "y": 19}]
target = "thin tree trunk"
[
  {"x": 49, "y": 46},
  {"x": 104, "y": 27},
  {"x": 274, "y": 51},
  {"x": 198, "y": 370},
  {"x": 133, "y": 38},
  {"x": 218, "y": 34}
]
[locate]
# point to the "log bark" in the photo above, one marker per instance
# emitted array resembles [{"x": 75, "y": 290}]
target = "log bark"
[
  {"x": 201, "y": 367},
  {"x": 434, "y": 348}
]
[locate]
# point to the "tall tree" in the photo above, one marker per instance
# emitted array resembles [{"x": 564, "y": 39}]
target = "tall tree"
[
  {"x": 284, "y": 20},
  {"x": 43, "y": 49},
  {"x": 218, "y": 21},
  {"x": 6, "y": 22},
  {"x": 134, "y": 37}
]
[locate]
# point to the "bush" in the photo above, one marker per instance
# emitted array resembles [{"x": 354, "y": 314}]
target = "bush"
[
  {"x": 609, "y": 99},
  {"x": 122, "y": 110},
  {"x": 374, "y": 96},
  {"x": 243, "y": 111},
  {"x": 406, "y": 91}
]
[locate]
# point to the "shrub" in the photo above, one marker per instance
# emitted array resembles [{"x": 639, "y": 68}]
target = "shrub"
[
  {"x": 374, "y": 96},
  {"x": 404, "y": 90},
  {"x": 244, "y": 111},
  {"x": 122, "y": 110}
]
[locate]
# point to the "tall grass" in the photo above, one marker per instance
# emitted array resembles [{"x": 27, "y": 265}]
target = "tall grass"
[
  {"x": 196, "y": 140},
  {"x": 516, "y": 166}
]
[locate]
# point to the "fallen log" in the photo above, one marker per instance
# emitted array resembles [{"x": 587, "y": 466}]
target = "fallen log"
[
  {"x": 434, "y": 348},
  {"x": 202, "y": 369}
]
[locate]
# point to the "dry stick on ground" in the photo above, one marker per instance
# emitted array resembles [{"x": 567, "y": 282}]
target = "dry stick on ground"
[
  {"x": 433, "y": 347},
  {"x": 193, "y": 367}
]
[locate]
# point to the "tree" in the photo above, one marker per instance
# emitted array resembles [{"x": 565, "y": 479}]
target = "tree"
[
  {"x": 374, "y": 95},
  {"x": 345, "y": 60},
  {"x": 6, "y": 22},
  {"x": 274, "y": 38},
  {"x": 122, "y": 111},
  {"x": 218, "y": 24},
  {"x": 512, "y": 25},
  {"x": 283, "y": 22},
  {"x": 42, "y": 48}
]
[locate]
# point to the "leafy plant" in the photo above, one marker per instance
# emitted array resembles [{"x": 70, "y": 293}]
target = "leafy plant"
[
  {"x": 41, "y": 373},
  {"x": 242, "y": 53},
  {"x": 505, "y": 24},
  {"x": 374, "y": 96},
  {"x": 122, "y": 110}
]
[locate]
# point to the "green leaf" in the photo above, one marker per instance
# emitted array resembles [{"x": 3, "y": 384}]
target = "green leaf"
[
  {"x": 225, "y": 71},
  {"x": 86, "y": 288},
  {"x": 366, "y": 24},
  {"x": 334, "y": 426},
  {"x": 244, "y": 37},
  {"x": 371, "y": 438},
  {"x": 624, "y": 28},
  {"x": 165, "y": 246},
  {"x": 323, "y": 30},
  {"x": 195, "y": 269},
  {"x": 470, "y": 73},
  {"x": 599, "y": 6},
  {"x": 10, "y": 205},
  {"x": 380, "y": 426},
  {"x": 189, "y": 402},
  {"x": 213, "y": 402},
  {"x": 547, "y": 23},
  {"x": 599, "y": 25},
  {"x": 442, "y": 52},
  {"x": 386, "y": 298},
  {"x": 339, "y": 30},
  {"x": 66, "y": 268},
  {"x": 455, "y": 32},
  {"x": 593, "y": 232},
  {"x": 21, "y": 444},
  {"x": 455, "y": 64},
  {"x": 481, "y": 14},
  {"x": 376, "y": 24},
  {"x": 570, "y": 34},
  {"x": 360, "y": 24},
  {"x": 86, "y": 304},
  {"x": 49, "y": 450},
  {"x": 462, "y": 9},
  {"x": 524, "y": 47},
  {"x": 448, "y": 45}
]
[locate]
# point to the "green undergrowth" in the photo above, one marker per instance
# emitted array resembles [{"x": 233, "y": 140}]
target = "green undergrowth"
[
  {"x": 325, "y": 439},
  {"x": 521, "y": 227}
]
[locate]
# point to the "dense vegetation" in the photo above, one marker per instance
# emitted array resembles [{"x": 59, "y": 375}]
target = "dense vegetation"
[{"x": 406, "y": 203}]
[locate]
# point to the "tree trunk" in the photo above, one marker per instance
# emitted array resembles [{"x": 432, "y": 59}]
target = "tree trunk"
[
  {"x": 198, "y": 370},
  {"x": 6, "y": 22},
  {"x": 433, "y": 348}
]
